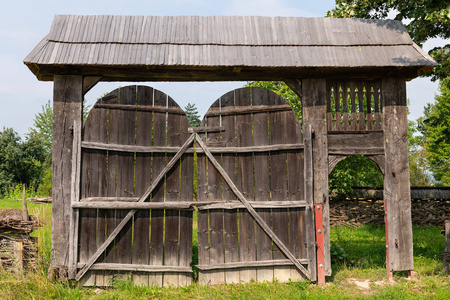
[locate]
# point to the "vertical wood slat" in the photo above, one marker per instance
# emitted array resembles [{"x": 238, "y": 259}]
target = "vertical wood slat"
[
  {"x": 75, "y": 197},
  {"x": 361, "y": 116},
  {"x": 345, "y": 119},
  {"x": 90, "y": 188},
  {"x": 186, "y": 217},
  {"x": 159, "y": 162},
  {"x": 231, "y": 234},
  {"x": 245, "y": 184},
  {"x": 309, "y": 197},
  {"x": 330, "y": 93},
  {"x": 369, "y": 95},
  {"x": 295, "y": 181},
  {"x": 215, "y": 183},
  {"x": 278, "y": 185},
  {"x": 144, "y": 123},
  {"x": 126, "y": 127},
  {"x": 262, "y": 182},
  {"x": 352, "y": 87},
  {"x": 337, "y": 105}
]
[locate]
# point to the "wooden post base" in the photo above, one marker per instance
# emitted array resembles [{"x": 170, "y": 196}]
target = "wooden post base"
[{"x": 318, "y": 208}]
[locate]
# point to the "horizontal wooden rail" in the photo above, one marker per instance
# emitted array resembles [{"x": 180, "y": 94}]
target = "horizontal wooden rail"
[
  {"x": 162, "y": 109},
  {"x": 144, "y": 149},
  {"x": 254, "y": 204},
  {"x": 136, "y": 268},
  {"x": 134, "y": 205},
  {"x": 251, "y": 264},
  {"x": 356, "y": 151},
  {"x": 241, "y": 110},
  {"x": 131, "y": 203},
  {"x": 206, "y": 129}
]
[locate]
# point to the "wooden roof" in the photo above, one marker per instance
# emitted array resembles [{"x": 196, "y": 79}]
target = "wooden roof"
[{"x": 225, "y": 48}]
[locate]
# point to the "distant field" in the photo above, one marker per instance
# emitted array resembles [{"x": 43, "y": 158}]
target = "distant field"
[{"x": 358, "y": 272}]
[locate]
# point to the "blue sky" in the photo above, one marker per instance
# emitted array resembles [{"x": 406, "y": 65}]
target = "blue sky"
[{"x": 24, "y": 23}]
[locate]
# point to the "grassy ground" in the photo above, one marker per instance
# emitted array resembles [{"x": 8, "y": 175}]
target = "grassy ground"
[{"x": 358, "y": 273}]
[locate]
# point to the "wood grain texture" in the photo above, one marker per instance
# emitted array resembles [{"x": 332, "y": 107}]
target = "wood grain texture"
[
  {"x": 397, "y": 190},
  {"x": 314, "y": 114},
  {"x": 67, "y": 107}
]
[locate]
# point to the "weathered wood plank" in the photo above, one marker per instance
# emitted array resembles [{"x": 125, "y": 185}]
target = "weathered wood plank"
[
  {"x": 242, "y": 109},
  {"x": 158, "y": 195},
  {"x": 245, "y": 183},
  {"x": 396, "y": 179},
  {"x": 75, "y": 197},
  {"x": 146, "y": 149},
  {"x": 67, "y": 107},
  {"x": 309, "y": 196},
  {"x": 251, "y": 264},
  {"x": 143, "y": 173},
  {"x": 314, "y": 113},
  {"x": 138, "y": 268},
  {"x": 131, "y": 107},
  {"x": 230, "y": 217}
]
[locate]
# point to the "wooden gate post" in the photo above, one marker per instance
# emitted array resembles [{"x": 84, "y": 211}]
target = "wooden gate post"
[
  {"x": 67, "y": 107},
  {"x": 396, "y": 179},
  {"x": 314, "y": 113}
]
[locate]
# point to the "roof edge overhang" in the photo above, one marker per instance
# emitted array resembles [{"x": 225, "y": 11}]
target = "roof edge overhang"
[{"x": 139, "y": 73}]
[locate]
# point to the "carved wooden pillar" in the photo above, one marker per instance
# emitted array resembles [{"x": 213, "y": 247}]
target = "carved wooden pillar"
[
  {"x": 67, "y": 107},
  {"x": 314, "y": 113},
  {"x": 397, "y": 190}
]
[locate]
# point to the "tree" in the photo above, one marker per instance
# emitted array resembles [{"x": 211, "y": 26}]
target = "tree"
[
  {"x": 192, "y": 115},
  {"x": 280, "y": 88},
  {"x": 424, "y": 19},
  {"x": 20, "y": 162},
  {"x": 435, "y": 128}
]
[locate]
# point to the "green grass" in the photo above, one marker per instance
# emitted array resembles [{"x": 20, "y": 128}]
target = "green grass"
[{"x": 363, "y": 258}]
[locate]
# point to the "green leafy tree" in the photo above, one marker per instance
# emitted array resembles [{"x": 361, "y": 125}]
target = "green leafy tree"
[
  {"x": 424, "y": 19},
  {"x": 192, "y": 115},
  {"x": 280, "y": 88},
  {"x": 20, "y": 161},
  {"x": 435, "y": 128}
]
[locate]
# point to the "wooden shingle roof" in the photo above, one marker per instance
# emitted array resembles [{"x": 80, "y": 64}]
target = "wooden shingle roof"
[{"x": 224, "y": 48}]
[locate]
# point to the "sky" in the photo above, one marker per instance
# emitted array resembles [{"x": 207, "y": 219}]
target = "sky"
[{"x": 24, "y": 23}]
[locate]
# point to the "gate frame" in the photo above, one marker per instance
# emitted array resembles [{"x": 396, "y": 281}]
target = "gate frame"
[{"x": 73, "y": 78}]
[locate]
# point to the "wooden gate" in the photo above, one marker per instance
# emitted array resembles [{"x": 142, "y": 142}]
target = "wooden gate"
[
  {"x": 133, "y": 191},
  {"x": 130, "y": 138},
  {"x": 255, "y": 136}
]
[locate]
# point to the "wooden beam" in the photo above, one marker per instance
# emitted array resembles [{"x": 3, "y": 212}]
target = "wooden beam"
[
  {"x": 67, "y": 108},
  {"x": 206, "y": 129},
  {"x": 367, "y": 143},
  {"x": 127, "y": 218},
  {"x": 445, "y": 267},
  {"x": 251, "y": 210},
  {"x": 144, "y": 149},
  {"x": 241, "y": 110},
  {"x": 134, "y": 205},
  {"x": 171, "y": 110},
  {"x": 333, "y": 160},
  {"x": 75, "y": 198},
  {"x": 255, "y": 204},
  {"x": 397, "y": 190},
  {"x": 89, "y": 82},
  {"x": 250, "y": 264},
  {"x": 218, "y": 73},
  {"x": 137, "y": 268},
  {"x": 314, "y": 114},
  {"x": 295, "y": 85}
]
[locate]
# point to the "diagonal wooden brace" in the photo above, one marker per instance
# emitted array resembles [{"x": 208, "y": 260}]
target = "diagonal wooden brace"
[
  {"x": 252, "y": 211},
  {"x": 130, "y": 214}
]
